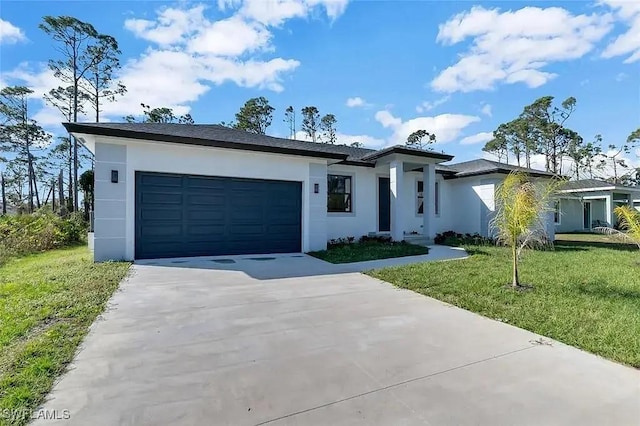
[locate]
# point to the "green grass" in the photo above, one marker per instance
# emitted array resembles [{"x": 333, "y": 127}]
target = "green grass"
[
  {"x": 359, "y": 252},
  {"x": 584, "y": 295},
  {"x": 589, "y": 238},
  {"x": 47, "y": 303}
]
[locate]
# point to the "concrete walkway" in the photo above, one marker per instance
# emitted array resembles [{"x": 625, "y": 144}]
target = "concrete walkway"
[{"x": 289, "y": 339}]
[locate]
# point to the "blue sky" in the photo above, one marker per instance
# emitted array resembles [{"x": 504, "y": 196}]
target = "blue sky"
[{"x": 457, "y": 69}]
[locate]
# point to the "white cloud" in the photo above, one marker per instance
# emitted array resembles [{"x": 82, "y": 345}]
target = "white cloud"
[
  {"x": 231, "y": 37},
  {"x": 515, "y": 46},
  {"x": 482, "y": 137},
  {"x": 487, "y": 110},
  {"x": 10, "y": 34},
  {"x": 275, "y": 12},
  {"x": 428, "y": 106},
  {"x": 189, "y": 53},
  {"x": 621, "y": 76},
  {"x": 627, "y": 43},
  {"x": 356, "y": 102},
  {"x": 447, "y": 127},
  {"x": 172, "y": 25}
]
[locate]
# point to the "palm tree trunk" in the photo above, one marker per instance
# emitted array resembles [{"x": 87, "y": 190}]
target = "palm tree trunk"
[{"x": 516, "y": 278}]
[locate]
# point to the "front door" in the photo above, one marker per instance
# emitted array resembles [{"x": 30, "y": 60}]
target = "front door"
[
  {"x": 587, "y": 215},
  {"x": 384, "y": 204}
]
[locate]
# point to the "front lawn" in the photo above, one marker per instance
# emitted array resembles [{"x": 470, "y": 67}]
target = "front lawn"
[
  {"x": 371, "y": 250},
  {"x": 584, "y": 295},
  {"x": 48, "y": 301}
]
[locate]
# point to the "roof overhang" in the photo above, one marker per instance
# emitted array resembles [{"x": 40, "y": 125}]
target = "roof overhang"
[
  {"x": 602, "y": 188},
  {"x": 79, "y": 128},
  {"x": 496, "y": 171},
  {"x": 407, "y": 151}
]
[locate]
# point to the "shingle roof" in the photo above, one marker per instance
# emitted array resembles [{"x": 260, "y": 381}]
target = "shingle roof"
[
  {"x": 595, "y": 184},
  {"x": 207, "y": 135},
  {"x": 224, "y": 137},
  {"x": 483, "y": 166}
]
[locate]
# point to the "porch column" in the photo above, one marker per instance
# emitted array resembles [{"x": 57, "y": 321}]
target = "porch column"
[
  {"x": 429, "y": 205},
  {"x": 396, "y": 178},
  {"x": 609, "y": 209},
  {"x": 630, "y": 200}
]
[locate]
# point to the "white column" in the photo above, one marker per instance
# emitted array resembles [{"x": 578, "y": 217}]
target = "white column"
[
  {"x": 396, "y": 175},
  {"x": 609, "y": 209},
  {"x": 429, "y": 209}
]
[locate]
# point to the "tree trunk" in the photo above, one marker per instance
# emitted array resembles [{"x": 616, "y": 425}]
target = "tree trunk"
[
  {"x": 516, "y": 278},
  {"x": 35, "y": 186},
  {"x": 70, "y": 185},
  {"x": 61, "y": 193},
  {"x": 4, "y": 194}
]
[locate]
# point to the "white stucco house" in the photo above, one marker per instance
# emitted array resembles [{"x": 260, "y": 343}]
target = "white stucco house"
[
  {"x": 170, "y": 190},
  {"x": 586, "y": 204}
]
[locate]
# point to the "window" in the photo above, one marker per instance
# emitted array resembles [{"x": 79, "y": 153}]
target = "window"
[
  {"x": 556, "y": 212},
  {"x": 339, "y": 194},
  {"x": 420, "y": 197}
]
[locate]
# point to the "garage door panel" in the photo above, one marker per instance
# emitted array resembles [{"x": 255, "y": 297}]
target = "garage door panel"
[
  {"x": 206, "y": 215},
  {"x": 149, "y": 180},
  {"x": 161, "y": 198},
  {"x": 160, "y": 229},
  {"x": 161, "y": 214},
  {"x": 180, "y": 215}
]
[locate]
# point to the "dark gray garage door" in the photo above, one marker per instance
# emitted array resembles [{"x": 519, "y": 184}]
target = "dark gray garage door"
[{"x": 184, "y": 215}]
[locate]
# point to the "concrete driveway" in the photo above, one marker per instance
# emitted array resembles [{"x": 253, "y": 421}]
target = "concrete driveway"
[{"x": 289, "y": 339}]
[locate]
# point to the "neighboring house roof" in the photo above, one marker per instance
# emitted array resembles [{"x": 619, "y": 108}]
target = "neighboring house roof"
[
  {"x": 483, "y": 167},
  {"x": 586, "y": 185}
]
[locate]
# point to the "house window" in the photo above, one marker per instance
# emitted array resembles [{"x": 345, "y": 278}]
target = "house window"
[
  {"x": 420, "y": 197},
  {"x": 437, "y": 198},
  {"x": 340, "y": 190},
  {"x": 556, "y": 212}
]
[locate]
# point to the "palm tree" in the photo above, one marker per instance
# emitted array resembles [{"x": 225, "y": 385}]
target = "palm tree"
[
  {"x": 521, "y": 207},
  {"x": 629, "y": 221}
]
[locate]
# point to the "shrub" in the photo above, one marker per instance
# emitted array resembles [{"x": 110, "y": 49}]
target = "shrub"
[
  {"x": 384, "y": 239},
  {"x": 452, "y": 238},
  {"x": 40, "y": 231}
]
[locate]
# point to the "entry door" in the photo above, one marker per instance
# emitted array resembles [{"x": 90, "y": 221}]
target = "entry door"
[
  {"x": 384, "y": 204},
  {"x": 587, "y": 215}
]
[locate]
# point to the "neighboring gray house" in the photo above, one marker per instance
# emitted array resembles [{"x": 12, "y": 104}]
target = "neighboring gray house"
[
  {"x": 173, "y": 190},
  {"x": 585, "y": 204}
]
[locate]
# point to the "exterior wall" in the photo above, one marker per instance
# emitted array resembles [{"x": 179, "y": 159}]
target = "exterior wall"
[
  {"x": 115, "y": 203},
  {"x": 364, "y": 216},
  {"x": 465, "y": 204},
  {"x": 571, "y": 216},
  {"x": 110, "y": 216}
]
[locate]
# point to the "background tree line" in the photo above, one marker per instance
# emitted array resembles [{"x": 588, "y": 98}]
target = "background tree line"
[
  {"x": 40, "y": 171},
  {"x": 541, "y": 129}
]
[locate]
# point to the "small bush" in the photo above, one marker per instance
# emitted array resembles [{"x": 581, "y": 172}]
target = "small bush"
[
  {"x": 384, "y": 239},
  {"x": 452, "y": 238},
  {"x": 43, "y": 230}
]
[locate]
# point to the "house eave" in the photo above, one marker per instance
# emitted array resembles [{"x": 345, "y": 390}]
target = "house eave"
[{"x": 158, "y": 137}]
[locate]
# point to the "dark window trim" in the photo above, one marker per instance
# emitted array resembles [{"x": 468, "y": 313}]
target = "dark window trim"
[{"x": 348, "y": 195}]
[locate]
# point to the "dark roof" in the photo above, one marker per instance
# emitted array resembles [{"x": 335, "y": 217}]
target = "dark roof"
[
  {"x": 483, "y": 167},
  {"x": 574, "y": 185},
  {"x": 401, "y": 149},
  {"x": 208, "y": 135},
  {"x": 224, "y": 137}
]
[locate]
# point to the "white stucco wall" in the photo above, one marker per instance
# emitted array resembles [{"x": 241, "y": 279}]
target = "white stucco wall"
[{"x": 115, "y": 202}]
